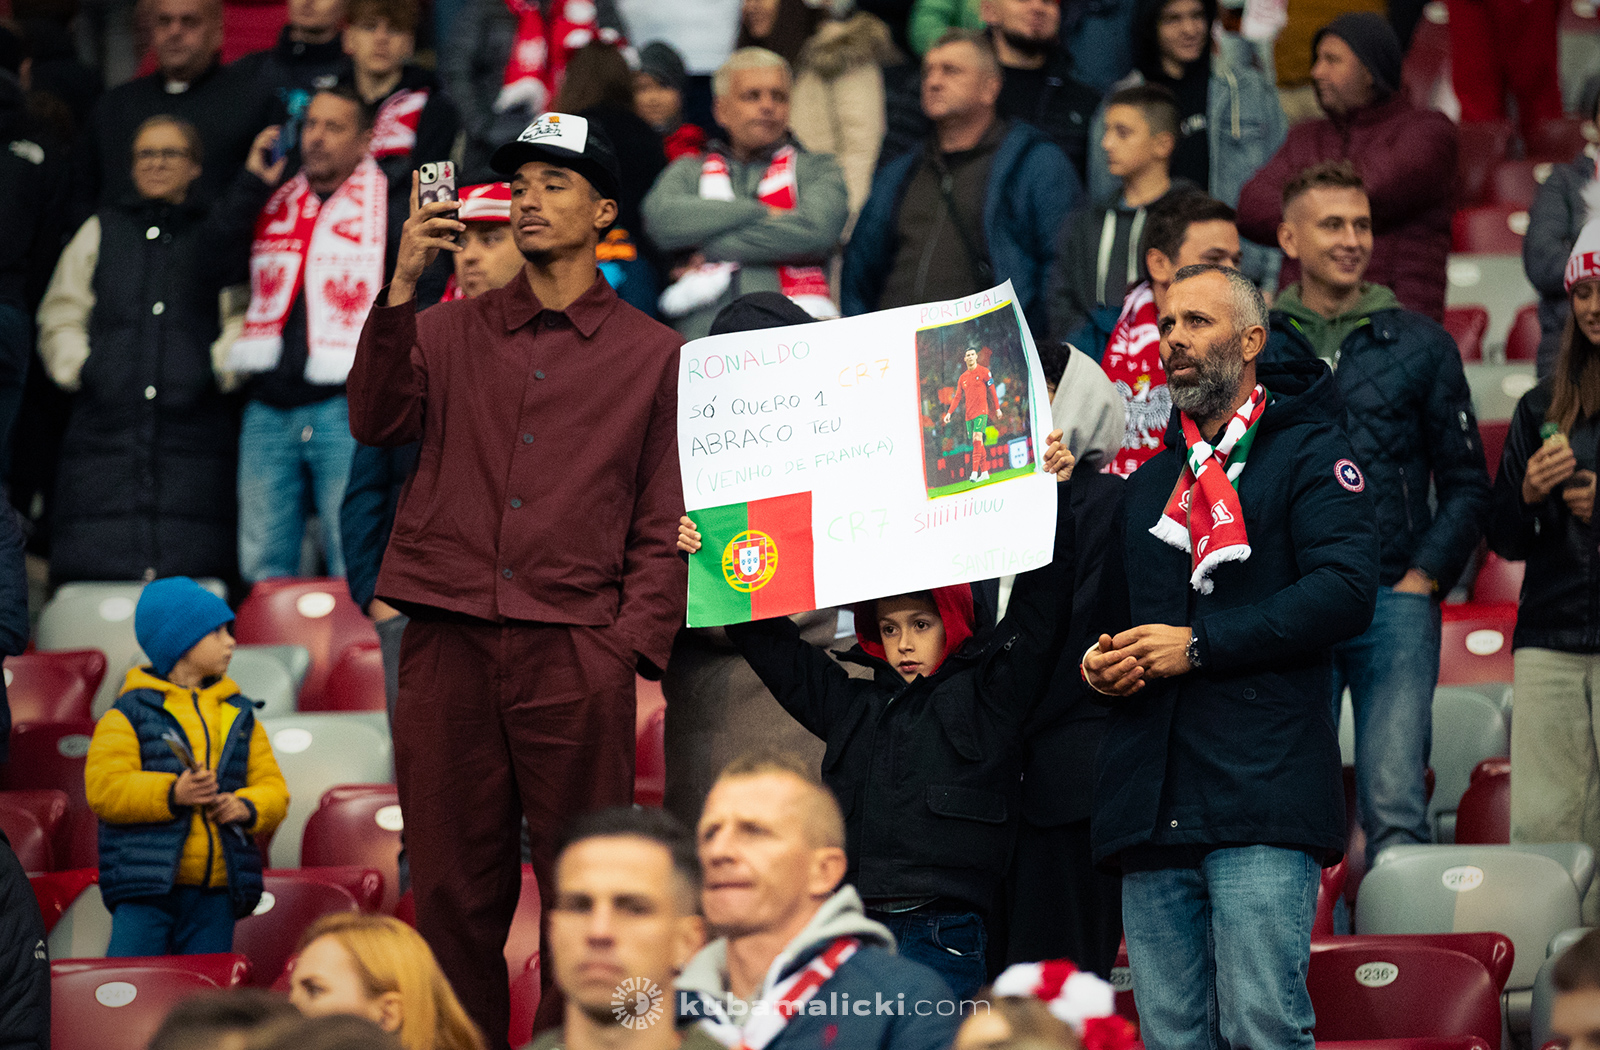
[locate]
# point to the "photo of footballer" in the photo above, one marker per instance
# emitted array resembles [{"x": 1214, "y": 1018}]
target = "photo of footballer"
[{"x": 974, "y": 402}]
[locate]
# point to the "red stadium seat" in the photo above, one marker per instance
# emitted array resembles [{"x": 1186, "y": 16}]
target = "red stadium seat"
[
  {"x": 358, "y": 824},
  {"x": 1493, "y": 433},
  {"x": 117, "y": 1004},
  {"x": 522, "y": 945},
  {"x": 316, "y": 613},
  {"x": 1484, "y": 816},
  {"x": 53, "y": 686},
  {"x": 1483, "y": 144},
  {"x": 1122, "y": 983},
  {"x": 1517, "y": 182},
  {"x": 1400, "y": 988},
  {"x": 1466, "y": 325},
  {"x": 36, "y": 824},
  {"x": 289, "y": 905},
  {"x": 51, "y": 755},
  {"x": 1494, "y": 229},
  {"x": 250, "y": 25},
  {"x": 524, "y": 1003},
  {"x": 650, "y": 753},
  {"x": 1522, "y": 342},
  {"x": 366, "y": 885},
  {"x": 1328, "y": 893},
  {"x": 355, "y": 683},
  {"x": 1498, "y": 581},
  {"x": 1475, "y": 643},
  {"x": 57, "y": 889},
  {"x": 1558, "y": 140}
]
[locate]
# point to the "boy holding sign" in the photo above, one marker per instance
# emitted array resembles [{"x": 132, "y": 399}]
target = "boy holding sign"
[{"x": 925, "y": 756}]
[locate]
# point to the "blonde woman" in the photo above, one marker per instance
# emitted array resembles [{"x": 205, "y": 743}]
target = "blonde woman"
[{"x": 377, "y": 967}]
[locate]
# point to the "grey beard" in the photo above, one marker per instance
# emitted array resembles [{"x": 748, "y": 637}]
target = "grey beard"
[{"x": 1215, "y": 386}]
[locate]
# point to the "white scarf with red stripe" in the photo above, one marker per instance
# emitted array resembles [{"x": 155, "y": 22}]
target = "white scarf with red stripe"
[
  {"x": 394, "y": 130},
  {"x": 1203, "y": 516},
  {"x": 332, "y": 248},
  {"x": 780, "y": 1001},
  {"x": 805, "y": 286},
  {"x": 539, "y": 53}
]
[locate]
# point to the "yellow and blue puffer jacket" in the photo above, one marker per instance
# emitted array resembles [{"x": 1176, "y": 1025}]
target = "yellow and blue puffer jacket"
[{"x": 148, "y": 844}]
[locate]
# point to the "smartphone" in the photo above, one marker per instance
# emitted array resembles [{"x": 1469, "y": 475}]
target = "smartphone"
[
  {"x": 295, "y": 106},
  {"x": 436, "y": 182}
]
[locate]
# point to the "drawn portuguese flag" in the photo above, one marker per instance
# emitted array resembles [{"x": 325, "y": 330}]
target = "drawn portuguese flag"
[{"x": 754, "y": 562}]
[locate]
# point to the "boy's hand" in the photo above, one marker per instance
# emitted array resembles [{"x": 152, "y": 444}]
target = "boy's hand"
[
  {"x": 195, "y": 788},
  {"x": 1058, "y": 459},
  {"x": 229, "y": 809},
  {"x": 688, "y": 538}
]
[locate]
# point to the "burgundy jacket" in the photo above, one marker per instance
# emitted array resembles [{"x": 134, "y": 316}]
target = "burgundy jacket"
[
  {"x": 547, "y": 484},
  {"x": 1407, "y": 157}
]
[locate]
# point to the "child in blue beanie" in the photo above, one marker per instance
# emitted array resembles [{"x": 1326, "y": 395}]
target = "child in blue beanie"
[{"x": 181, "y": 776}]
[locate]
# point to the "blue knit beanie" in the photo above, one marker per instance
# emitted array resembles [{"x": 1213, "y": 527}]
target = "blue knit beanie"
[{"x": 172, "y": 616}]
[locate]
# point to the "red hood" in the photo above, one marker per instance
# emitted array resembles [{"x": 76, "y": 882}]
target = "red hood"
[{"x": 955, "y": 609}]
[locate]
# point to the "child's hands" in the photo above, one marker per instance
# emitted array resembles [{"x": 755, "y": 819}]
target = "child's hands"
[
  {"x": 688, "y": 538},
  {"x": 1058, "y": 459},
  {"x": 195, "y": 788},
  {"x": 229, "y": 809}
]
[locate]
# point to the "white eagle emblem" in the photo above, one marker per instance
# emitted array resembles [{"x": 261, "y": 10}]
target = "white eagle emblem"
[{"x": 1149, "y": 410}]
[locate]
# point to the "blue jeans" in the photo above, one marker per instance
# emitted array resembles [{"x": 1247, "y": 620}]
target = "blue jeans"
[
  {"x": 1392, "y": 669},
  {"x": 286, "y": 454},
  {"x": 1219, "y": 952},
  {"x": 950, "y": 942},
  {"x": 187, "y": 921}
]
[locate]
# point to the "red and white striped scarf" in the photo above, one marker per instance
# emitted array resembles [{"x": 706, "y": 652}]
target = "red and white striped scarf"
[
  {"x": 779, "y": 1002},
  {"x": 1203, "y": 515},
  {"x": 394, "y": 129},
  {"x": 539, "y": 53}
]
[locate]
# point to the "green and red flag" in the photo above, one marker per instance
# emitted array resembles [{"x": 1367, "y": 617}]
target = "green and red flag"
[{"x": 755, "y": 561}]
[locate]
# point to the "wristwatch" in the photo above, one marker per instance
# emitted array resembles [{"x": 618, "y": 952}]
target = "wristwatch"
[{"x": 1192, "y": 651}]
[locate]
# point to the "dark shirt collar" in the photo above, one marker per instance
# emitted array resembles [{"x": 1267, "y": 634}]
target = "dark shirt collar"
[{"x": 520, "y": 306}]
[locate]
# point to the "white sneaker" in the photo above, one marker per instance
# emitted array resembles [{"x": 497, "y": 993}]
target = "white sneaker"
[
  {"x": 983, "y": 477},
  {"x": 974, "y": 476}
]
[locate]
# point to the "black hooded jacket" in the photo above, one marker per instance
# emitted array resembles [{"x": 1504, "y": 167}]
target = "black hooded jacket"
[{"x": 1191, "y": 159}]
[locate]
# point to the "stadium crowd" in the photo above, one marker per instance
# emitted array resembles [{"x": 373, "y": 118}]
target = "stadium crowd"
[{"x": 245, "y": 339}]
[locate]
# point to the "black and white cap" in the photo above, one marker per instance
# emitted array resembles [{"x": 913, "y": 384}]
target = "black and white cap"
[{"x": 568, "y": 141}]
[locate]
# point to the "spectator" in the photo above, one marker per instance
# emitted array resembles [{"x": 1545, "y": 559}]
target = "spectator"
[
  {"x": 1038, "y": 83},
  {"x": 1501, "y": 45},
  {"x": 1575, "y": 1014},
  {"x": 504, "y": 61},
  {"x": 931, "y": 19},
  {"x": 599, "y": 88},
  {"x": 1229, "y": 120},
  {"x": 149, "y": 466},
  {"x": 1052, "y": 1002},
  {"x": 944, "y": 706},
  {"x": 309, "y": 57},
  {"x": 758, "y": 213},
  {"x": 1012, "y": 1020},
  {"x": 1217, "y": 785},
  {"x": 1406, "y": 157},
  {"x": 177, "y": 861},
  {"x": 838, "y": 103},
  {"x": 626, "y": 917},
  {"x": 308, "y": 297},
  {"x": 1543, "y": 514},
  {"x": 772, "y": 860},
  {"x": 336, "y": 1032},
  {"x": 535, "y": 597},
  {"x": 1554, "y": 221},
  {"x": 1408, "y": 414},
  {"x": 658, "y": 99},
  {"x": 30, "y": 178},
  {"x": 191, "y": 84},
  {"x": 379, "y": 969},
  {"x": 978, "y": 205},
  {"x": 415, "y": 122},
  {"x": 24, "y": 964},
  {"x": 1097, "y": 252},
  {"x": 223, "y": 1020},
  {"x": 1186, "y": 228},
  {"x": 62, "y": 89},
  {"x": 780, "y": 26},
  {"x": 488, "y": 259}
]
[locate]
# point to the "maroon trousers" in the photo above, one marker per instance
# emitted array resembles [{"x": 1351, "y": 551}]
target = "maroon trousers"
[{"x": 494, "y": 722}]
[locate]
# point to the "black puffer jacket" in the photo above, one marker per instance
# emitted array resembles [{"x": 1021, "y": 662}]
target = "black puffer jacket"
[
  {"x": 1408, "y": 412},
  {"x": 928, "y": 773},
  {"x": 1560, "y": 607},
  {"x": 24, "y": 964}
]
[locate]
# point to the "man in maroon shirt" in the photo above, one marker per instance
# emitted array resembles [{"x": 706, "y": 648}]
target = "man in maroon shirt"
[{"x": 533, "y": 548}]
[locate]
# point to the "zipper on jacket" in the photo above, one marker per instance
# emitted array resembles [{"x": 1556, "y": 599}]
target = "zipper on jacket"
[{"x": 205, "y": 818}]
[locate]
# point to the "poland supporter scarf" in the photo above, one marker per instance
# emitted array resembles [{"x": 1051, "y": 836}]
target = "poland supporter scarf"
[
  {"x": 1203, "y": 515},
  {"x": 769, "y": 1015},
  {"x": 539, "y": 54},
  {"x": 334, "y": 249},
  {"x": 1132, "y": 362},
  {"x": 394, "y": 129},
  {"x": 1081, "y": 1000}
]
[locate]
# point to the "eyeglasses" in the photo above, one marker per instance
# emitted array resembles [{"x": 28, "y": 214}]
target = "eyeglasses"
[{"x": 145, "y": 156}]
